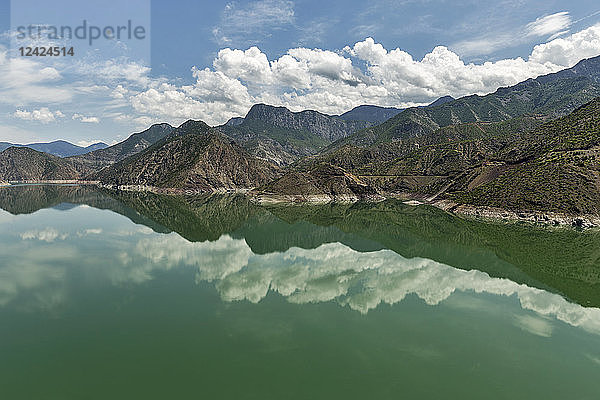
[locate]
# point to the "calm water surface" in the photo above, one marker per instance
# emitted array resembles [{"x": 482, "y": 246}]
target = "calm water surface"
[{"x": 137, "y": 296}]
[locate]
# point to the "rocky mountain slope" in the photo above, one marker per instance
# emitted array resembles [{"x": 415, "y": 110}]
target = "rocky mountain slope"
[
  {"x": 325, "y": 126},
  {"x": 530, "y": 163},
  {"x": 278, "y": 145},
  {"x": 25, "y": 164},
  {"x": 96, "y": 160},
  {"x": 281, "y": 136},
  {"x": 58, "y": 148},
  {"x": 322, "y": 183},
  {"x": 554, "y": 168},
  {"x": 194, "y": 157}
]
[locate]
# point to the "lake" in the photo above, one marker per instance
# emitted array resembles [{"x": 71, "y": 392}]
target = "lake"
[{"x": 107, "y": 295}]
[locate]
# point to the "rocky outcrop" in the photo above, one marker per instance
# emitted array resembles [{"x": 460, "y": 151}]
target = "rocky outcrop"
[{"x": 534, "y": 217}]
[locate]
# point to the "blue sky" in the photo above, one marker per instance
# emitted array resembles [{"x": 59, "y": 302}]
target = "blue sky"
[{"x": 213, "y": 60}]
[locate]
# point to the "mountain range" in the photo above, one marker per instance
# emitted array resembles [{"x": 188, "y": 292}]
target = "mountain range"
[
  {"x": 193, "y": 157},
  {"x": 58, "y": 148},
  {"x": 532, "y": 146}
]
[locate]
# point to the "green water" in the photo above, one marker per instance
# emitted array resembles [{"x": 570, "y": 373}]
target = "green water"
[{"x": 138, "y": 296}]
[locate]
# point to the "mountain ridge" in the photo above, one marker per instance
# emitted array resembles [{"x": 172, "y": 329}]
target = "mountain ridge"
[
  {"x": 96, "y": 160},
  {"x": 60, "y": 148},
  {"x": 194, "y": 157},
  {"x": 504, "y": 150},
  {"x": 553, "y": 94}
]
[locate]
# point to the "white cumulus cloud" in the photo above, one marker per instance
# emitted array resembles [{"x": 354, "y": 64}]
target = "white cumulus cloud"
[
  {"x": 364, "y": 73},
  {"x": 43, "y": 115}
]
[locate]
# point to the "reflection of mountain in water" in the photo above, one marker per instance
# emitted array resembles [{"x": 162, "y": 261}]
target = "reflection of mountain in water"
[
  {"x": 558, "y": 260},
  {"x": 27, "y": 199}
]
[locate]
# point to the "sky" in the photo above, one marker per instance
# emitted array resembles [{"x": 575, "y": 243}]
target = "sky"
[{"x": 214, "y": 60}]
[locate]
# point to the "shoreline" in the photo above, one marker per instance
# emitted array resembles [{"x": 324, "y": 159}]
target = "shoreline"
[
  {"x": 482, "y": 213},
  {"x": 49, "y": 182},
  {"x": 549, "y": 218}
]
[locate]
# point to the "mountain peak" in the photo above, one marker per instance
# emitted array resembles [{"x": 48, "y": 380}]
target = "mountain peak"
[
  {"x": 235, "y": 121},
  {"x": 370, "y": 113},
  {"x": 192, "y": 127},
  {"x": 442, "y": 100},
  {"x": 189, "y": 161},
  {"x": 261, "y": 111}
]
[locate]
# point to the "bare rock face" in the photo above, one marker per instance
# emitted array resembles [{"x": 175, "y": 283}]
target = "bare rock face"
[{"x": 325, "y": 126}]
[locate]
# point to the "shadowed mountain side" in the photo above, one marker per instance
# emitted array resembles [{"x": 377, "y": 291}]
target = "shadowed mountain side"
[{"x": 379, "y": 159}]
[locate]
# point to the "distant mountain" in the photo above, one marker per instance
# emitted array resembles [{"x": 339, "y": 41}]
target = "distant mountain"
[
  {"x": 25, "y": 164},
  {"x": 372, "y": 114},
  {"x": 193, "y": 157},
  {"x": 58, "y": 148},
  {"x": 96, "y": 160}
]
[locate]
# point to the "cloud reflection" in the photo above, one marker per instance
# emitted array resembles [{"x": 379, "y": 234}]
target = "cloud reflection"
[
  {"x": 358, "y": 280},
  {"x": 330, "y": 272}
]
